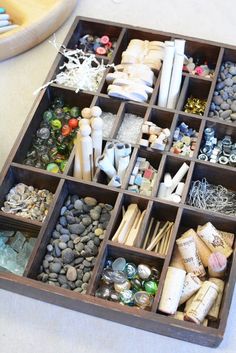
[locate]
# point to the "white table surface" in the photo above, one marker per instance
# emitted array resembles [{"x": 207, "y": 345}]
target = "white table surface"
[{"x": 30, "y": 326}]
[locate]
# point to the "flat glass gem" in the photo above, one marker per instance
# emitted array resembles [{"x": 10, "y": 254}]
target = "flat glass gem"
[
  {"x": 118, "y": 277},
  {"x": 151, "y": 287},
  {"x": 53, "y": 168},
  {"x": 127, "y": 296},
  {"x": 131, "y": 270},
  {"x": 144, "y": 271},
  {"x": 155, "y": 273},
  {"x": 107, "y": 275},
  {"x": 114, "y": 296},
  {"x": 121, "y": 287},
  {"x": 103, "y": 292},
  {"x": 142, "y": 299},
  {"x": 119, "y": 264},
  {"x": 136, "y": 284}
]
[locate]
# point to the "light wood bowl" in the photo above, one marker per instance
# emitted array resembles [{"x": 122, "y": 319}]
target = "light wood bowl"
[{"x": 37, "y": 20}]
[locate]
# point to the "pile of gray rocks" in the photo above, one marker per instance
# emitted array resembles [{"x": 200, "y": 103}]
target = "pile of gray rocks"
[
  {"x": 223, "y": 105},
  {"x": 74, "y": 244}
]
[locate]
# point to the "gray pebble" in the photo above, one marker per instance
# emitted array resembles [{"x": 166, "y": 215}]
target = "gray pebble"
[
  {"x": 78, "y": 205},
  {"x": 62, "y": 245},
  {"x": 65, "y": 286},
  {"x": 63, "y": 210},
  {"x": 55, "y": 267},
  {"x": 108, "y": 207},
  {"x": 233, "y": 116},
  {"x": 79, "y": 274},
  {"x": 79, "y": 290},
  {"x": 64, "y": 231},
  {"x": 70, "y": 219},
  {"x": 56, "y": 234},
  {"x": 233, "y": 106},
  {"x": 58, "y": 227},
  {"x": 86, "y": 221},
  {"x": 96, "y": 241},
  {"x": 224, "y": 106},
  {"x": 229, "y": 82},
  {"x": 232, "y": 70},
  {"x": 217, "y": 100},
  {"x": 53, "y": 275},
  {"x": 45, "y": 264},
  {"x": 63, "y": 221},
  {"x": 84, "y": 286},
  {"x": 79, "y": 247},
  {"x": 87, "y": 263},
  {"x": 65, "y": 238},
  {"x": 62, "y": 279},
  {"x": 225, "y": 114},
  {"x": 94, "y": 215},
  {"x": 220, "y": 85},
  {"x": 79, "y": 260},
  {"x": 71, "y": 274},
  {"x": 44, "y": 277},
  {"x": 57, "y": 250},
  {"x": 73, "y": 236},
  {"x": 84, "y": 239},
  {"x": 50, "y": 248},
  {"x": 78, "y": 283},
  {"x": 70, "y": 244},
  {"x": 49, "y": 258},
  {"x": 68, "y": 256},
  {"x": 76, "y": 228}
]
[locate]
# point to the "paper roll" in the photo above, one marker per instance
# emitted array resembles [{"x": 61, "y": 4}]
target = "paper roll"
[
  {"x": 115, "y": 181},
  {"x": 191, "y": 259},
  {"x": 175, "y": 83},
  {"x": 176, "y": 260},
  {"x": 179, "y": 176},
  {"x": 202, "y": 302},
  {"x": 122, "y": 167},
  {"x": 86, "y": 152},
  {"x": 119, "y": 152},
  {"x": 166, "y": 75},
  {"x": 215, "y": 309},
  {"x": 213, "y": 239},
  {"x": 110, "y": 152},
  {"x": 203, "y": 251},
  {"x": 217, "y": 264},
  {"x": 172, "y": 290},
  {"x": 191, "y": 285}
]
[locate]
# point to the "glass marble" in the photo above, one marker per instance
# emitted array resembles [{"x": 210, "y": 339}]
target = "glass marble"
[
  {"x": 144, "y": 271},
  {"x": 151, "y": 287},
  {"x": 127, "y": 296},
  {"x": 142, "y": 299},
  {"x": 121, "y": 287},
  {"x": 131, "y": 270},
  {"x": 103, "y": 292},
  {"x": 136, "y": 284}
]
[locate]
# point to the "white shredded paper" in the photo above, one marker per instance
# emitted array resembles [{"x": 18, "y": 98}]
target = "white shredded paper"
[{"x": 80, "y": 70}]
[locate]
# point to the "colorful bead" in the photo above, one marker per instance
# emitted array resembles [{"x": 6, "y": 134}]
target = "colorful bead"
[{"x": 151, "y": 287}]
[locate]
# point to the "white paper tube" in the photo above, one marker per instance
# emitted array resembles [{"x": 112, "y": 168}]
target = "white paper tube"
[
  {"x": 202, "y": 302},
  {"x": 167, "y": 180},
  {"x": 191, "y": 285},
  {"x": 77, "y": 162},
  {"x": 104, "y": 164},
  {"x": 213, "y": 239},
  {"x": 188, "y": 251},
  {"x": 162, "y": 191},
  {"x": 180, "y": 189},
  {"x": 214, "y": 312},
  {"x": 119, "y": 152},
  {"x": 166, "y": 75},
  {"x": 115, "y": 181},
  {"x": 122, "y": 167},
  {"x": 179, "y": 45},
  {"x": 127, "y": 150},
  {"x": 86, "y": 152},
  {"x": 179, "y": 176},
  {"x": 110, "y": 152},
  {"x": 96, "y": 134},
  {"x": 175, "y": 81},
  {"x": 172, "y": 290}
]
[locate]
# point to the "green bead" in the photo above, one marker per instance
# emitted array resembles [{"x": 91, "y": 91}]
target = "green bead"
[
  {"x": 62, "y": 149},
  {"x": 151, "y": 287},
  {"x": 56, "y": 124},
  {"x": 53, "y": 168},
  {"x": 74, "y": 112},
  {"x": 131, "y": 270},
  {"x": 48, "y": 116},
  {"x": 63, "y": 165}
]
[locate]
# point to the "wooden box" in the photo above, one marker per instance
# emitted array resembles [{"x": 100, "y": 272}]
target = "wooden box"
[{"x": 183, "y": 215}]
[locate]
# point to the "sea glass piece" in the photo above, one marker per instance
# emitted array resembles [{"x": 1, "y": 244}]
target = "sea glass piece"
[
  {"x": 142, "y": 299},
  {"x": 131, "y": 270},
  {"x": 53, "y": 168},
  {"x": 144, "y": 271},
  {"x": 151, "y": 287},
  {"x": 17, "y": 241},
  {"x": 127, "y": 296},
  {"x": 119, "y": 264}
]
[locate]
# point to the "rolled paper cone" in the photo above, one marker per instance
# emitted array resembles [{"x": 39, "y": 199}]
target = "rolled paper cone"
[
  {"x": 175, "y": 83},
  {"x": 172, "y": 290},
  {"x": 115, "y": 181},
  {"x": 191, "y": 285},
  {"x": 119, "y": 152},
  {"x": 228, "y": 238},
  {"x": 86, "y": 147},
  {"x": 213, "y": 239},
  {"x": 126, "y": 224},
  {"x": 191, "y": 259},
  {"x": 213, "y": 314},
  {"x": 122, "y": 167},
  {"x": 104, "y": 164},
  {"x": 179, "y": 176},
  {"x": 176, "y": 260},
  {"x": 217, "y": 264},
  {"x": 203, "y": 251},
  {"x": 110, "y": 152},
  {"x": 202, "y": 302},
  {"x": 135, "y": 229},
  {"x": 180, "y": 189},
  {"x": 169, "y": 52},
  {"x": 167, "y": 180},
  {"x": 77, "y": 162},
  {"x": 162, "y": 191},
  {"x": 179, "y": 315},
  {"x": 189, "y": 302}
]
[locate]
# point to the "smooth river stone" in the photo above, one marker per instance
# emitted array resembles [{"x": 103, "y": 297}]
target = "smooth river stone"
[
  {"x": 218, "y": 100},
  {"x": 90, "y": 201},
  {"x": 233, "y": 106},
  {"x": 71, "y": 274}
]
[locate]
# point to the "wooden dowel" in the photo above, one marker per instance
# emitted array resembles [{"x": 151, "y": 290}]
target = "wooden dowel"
[{"x": 148, "y": 233}]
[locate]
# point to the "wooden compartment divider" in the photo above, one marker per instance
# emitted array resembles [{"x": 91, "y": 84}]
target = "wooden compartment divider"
[{"x": 183, "y": 215}]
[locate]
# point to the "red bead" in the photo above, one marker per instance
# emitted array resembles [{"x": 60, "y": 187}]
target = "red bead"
[
  {"x": 108, "y": 45},
  {"x": 101, "y": 51},
  {"x": 66, "y": 130},
  {"x": 73, "y": 123},
  {"x": 104, "y": 40}
]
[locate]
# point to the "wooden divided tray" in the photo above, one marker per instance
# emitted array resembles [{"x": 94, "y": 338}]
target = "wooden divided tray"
[{"x": 183, "y": 215}]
